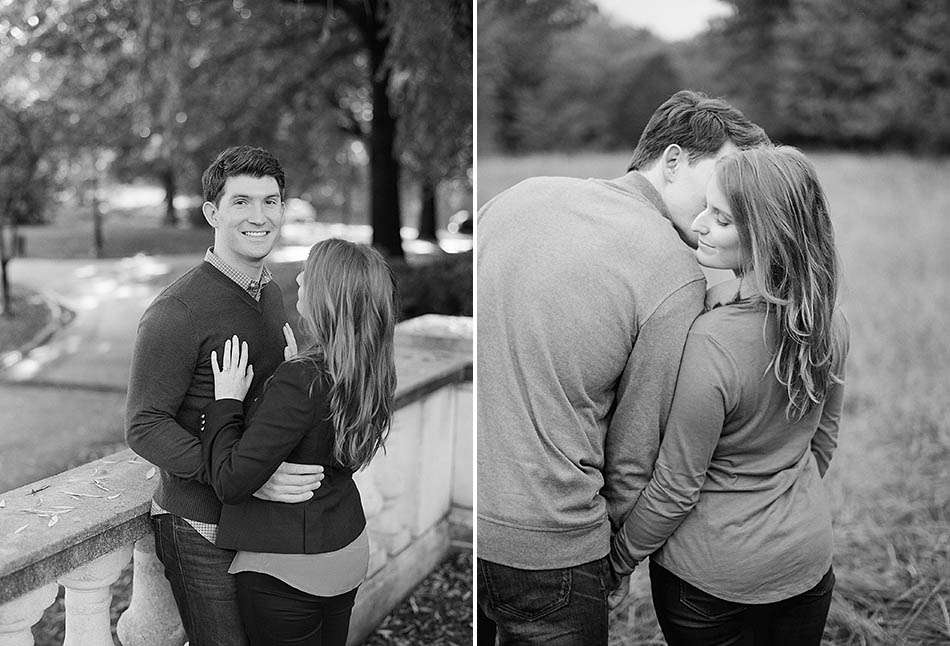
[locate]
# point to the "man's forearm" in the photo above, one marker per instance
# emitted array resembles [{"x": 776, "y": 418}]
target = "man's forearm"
[{"x": 164, "y": 443}]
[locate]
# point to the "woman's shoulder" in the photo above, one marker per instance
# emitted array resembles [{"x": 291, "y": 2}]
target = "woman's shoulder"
[{"x": 301, "y": 371}]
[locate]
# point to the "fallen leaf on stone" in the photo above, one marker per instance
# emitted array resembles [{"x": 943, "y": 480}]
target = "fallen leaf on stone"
[
  {"x": 21, "y": 529},
  {"x": 82, "y": 495},
  {"x": 53, "y": 520},
  {"x": 150, "y": 473},
  {"x": 3, "y": 503}
]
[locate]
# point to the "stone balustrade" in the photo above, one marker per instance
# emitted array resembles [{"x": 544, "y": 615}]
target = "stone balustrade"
[{"x": 79, "y": 529}]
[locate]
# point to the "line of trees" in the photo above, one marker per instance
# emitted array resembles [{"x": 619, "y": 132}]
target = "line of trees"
[{"x": 869, "y": 74}]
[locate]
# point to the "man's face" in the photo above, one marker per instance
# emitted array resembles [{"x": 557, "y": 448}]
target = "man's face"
[
  {"x": 685, "y": 192},
  {"x": 247, "y": 219}
]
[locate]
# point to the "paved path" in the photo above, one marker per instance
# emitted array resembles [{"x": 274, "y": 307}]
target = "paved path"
[{"x": 63, "y": 404}]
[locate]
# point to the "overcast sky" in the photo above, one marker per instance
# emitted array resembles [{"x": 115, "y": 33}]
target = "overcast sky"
[{"x": 668, "y": 19}]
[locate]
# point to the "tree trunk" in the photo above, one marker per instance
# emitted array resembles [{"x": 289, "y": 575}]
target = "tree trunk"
[
  {"x": 4, "y": 281},
  {"x": 96, "y": 215},
  {"x": 384, "y": 169},
  {"x": 168, "y": 183},
  {"x": 427, "y": 211}
]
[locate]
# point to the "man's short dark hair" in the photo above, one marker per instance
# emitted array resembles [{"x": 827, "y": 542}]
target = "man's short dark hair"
[
  {"x": 698, "y": 124},
  {"x": 240, "y": 160}
]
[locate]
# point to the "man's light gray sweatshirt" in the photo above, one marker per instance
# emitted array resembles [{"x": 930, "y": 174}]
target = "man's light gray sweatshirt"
[{"x": 585, "y": 296}]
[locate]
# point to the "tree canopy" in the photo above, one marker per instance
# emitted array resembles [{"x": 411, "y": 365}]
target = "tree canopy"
[{"x": 338, "y": 89}]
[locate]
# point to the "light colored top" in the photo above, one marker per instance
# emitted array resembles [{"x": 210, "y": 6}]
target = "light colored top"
[
  {"x": 585, "y": 296},
  {"x": 737, "y": 495},
  {"x": 324, "y": 575}
]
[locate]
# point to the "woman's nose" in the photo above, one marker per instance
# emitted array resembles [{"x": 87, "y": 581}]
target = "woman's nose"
[{"x": 699, "y": 224}]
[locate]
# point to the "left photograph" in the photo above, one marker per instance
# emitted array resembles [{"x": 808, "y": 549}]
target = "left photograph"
[{"x": 236, "y": 330}]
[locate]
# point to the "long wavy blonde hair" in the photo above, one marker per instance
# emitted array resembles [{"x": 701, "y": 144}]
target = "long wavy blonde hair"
[
  {"x": 784, "y": 226},
  {"x": 349, "y": 310}
]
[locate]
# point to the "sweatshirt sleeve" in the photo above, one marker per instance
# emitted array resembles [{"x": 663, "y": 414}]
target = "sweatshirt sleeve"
[
  {"x": 163, "y": 364},
  {"x": 643, "y": 399},
  {"x": 825, "y": 440},
  {"x": 239, "y": 464},
  {"x": 706, "y": 379}
]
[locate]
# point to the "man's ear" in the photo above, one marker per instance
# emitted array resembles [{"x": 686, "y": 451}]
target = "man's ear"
[
  {"x": 210, "y": 211},
  {"x": 672, "y": 157}
]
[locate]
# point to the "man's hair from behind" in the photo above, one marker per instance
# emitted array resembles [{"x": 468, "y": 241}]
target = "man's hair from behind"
[
  {"x": 696, "y": 123},
  {"x": 240, "y": 160}
]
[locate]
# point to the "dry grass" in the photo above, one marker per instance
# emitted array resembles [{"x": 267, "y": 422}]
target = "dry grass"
[{"x": 890, "y": 480}]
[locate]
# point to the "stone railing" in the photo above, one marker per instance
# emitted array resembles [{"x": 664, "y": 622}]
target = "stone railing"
[{"x": 79, "y": 529}]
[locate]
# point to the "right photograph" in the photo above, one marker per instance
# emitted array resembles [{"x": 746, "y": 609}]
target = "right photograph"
[{"x": 711, "y": 291}]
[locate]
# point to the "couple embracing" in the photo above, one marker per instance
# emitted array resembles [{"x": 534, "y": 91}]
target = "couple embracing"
[
  {"x": 626, "y": 412},
  {"x": 257, "y": 520}
]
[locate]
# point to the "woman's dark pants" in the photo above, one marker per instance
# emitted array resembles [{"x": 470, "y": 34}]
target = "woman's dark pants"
[
  {"x": 275, "y": 613},
  {"x": 690, "y": 617}
]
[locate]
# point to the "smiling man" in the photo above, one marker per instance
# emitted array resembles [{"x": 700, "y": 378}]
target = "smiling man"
[{"x": 171, "y": 382}]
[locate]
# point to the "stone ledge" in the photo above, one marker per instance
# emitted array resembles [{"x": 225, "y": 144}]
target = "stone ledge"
[{"x": 111, "y": 510}]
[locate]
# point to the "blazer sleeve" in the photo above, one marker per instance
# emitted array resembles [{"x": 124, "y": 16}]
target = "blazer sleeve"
[
  {"x": 705, "y": 392},
  {"x": 240, "y": 463}
]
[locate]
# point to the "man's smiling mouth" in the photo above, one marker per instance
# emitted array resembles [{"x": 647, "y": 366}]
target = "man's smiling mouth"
[{"x": 255, "y": 234}]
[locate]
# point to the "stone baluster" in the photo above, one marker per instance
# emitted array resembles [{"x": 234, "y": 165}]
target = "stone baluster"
[
  {"x": 19, "y": 615},
  {"x": 88, "y": 598},
  {"x": 152, "y": 617}
]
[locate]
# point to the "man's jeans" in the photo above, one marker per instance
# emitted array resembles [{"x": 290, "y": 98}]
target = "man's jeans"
[
  {"x": 563, "y": 607},
  {"x": 691, "y": 617},
  {"x": 204, "y": 591}
]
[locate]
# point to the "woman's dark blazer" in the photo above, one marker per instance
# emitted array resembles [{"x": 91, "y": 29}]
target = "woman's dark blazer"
[{"x": 289, "y": 422}]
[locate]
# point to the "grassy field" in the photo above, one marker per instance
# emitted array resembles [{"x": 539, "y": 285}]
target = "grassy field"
[{"x": 890, "y": 480}]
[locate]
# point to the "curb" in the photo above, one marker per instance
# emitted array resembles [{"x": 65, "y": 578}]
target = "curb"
[{"x": 60, "y": 317}]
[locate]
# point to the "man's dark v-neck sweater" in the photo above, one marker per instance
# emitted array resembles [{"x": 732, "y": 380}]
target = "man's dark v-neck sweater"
[{"x": 171, "y": 379}]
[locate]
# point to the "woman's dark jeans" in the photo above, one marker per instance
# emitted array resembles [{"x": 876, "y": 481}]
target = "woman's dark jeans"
[
  {"x": 277, "y": 614},
  {"x": 563, "y": 607},
  {"x": 690, "y": 617}
]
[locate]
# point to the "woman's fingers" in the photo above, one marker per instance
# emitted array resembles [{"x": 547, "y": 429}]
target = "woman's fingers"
[
  {"x": 214, "y": 363},
  {"x": 235, "y": 351},
  {"x": 242, "y": 358},
  {"x": 226, "y": 357},
  {"x": 290, "y": 349}
]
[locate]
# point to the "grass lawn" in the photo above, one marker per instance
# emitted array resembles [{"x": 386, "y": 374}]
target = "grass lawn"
[
  {"x": 28, "y": 314},
  {"x": 890, "y": 480}
]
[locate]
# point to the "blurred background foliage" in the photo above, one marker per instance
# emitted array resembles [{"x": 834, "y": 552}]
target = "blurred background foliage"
[
  {"x": 858, "y": 74},
  {"x": 361, "y": 100}
]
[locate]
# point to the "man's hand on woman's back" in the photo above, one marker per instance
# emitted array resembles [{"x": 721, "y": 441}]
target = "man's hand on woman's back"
[{"x": 291, "y": 482}]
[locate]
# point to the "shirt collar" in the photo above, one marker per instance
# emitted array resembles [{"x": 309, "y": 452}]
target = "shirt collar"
[{"x": 250, "y": 285}]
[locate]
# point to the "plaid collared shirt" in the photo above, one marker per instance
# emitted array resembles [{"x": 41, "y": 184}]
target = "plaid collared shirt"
[
  {"x": 252, "y": 287},
  {"x": 248, "y": 284}
]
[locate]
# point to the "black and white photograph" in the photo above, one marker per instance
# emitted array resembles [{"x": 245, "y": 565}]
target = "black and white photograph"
[
  {"x": 236, "y": 339},
  {"x": 711, "y": 293}
]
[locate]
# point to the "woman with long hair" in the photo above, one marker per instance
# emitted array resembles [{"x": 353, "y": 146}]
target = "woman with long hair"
[
  {"x": 735, "y": 517},
  {"x": 298, "y": 566}
]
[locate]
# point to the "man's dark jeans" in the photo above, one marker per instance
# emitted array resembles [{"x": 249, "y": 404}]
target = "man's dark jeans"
[
  {"x": 563, "y": 607},
  {"x": 689, "y": 616},
  {"x": 205, "y": 593}
]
